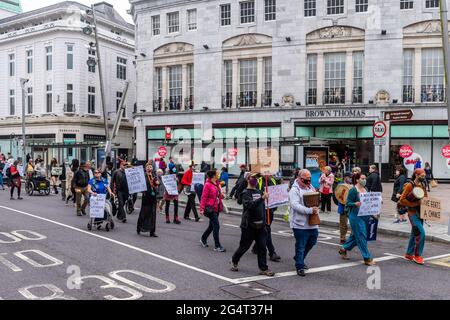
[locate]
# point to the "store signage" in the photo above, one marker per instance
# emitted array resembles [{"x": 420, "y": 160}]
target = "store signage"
[
  {"x": 232, "y": 152},
  {"x": 406, "y": 151},
  {"x": 448, "y": 163},
  {"x": 379, "y": 129},
  {"x": 162, "y": 151},
  {"x": 446, "y": 151},
  {"x": 398, "y": 115},
  {"x": 410, "y": 162},
  {"x": 336, "y": 113}
]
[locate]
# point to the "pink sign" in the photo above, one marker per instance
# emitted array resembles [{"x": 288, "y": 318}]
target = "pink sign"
[
  {"x": 406, "y": 151},
  {"x": 446, "y": 152},
  {"x": 162, "y": 151}
]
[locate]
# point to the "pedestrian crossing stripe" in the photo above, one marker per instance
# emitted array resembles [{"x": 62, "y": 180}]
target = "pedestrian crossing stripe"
[{"x": 444, "y": 262}]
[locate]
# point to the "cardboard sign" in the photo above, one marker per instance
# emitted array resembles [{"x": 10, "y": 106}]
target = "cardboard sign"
[
  {"x": 370, "y": 204},
  {"x": 430, "y": 209},
  {"x": 372, "y": 229},
  {"x": 170, "y": 183},
  {"x": 265, "y": 160},
  {"x": 136, "y": 179},
  {"x": 197, "y": 177},
  {"x": 56, "y": 171},
  {"x": 97, "y": 206},
  {"x": 278, "y": 195}
]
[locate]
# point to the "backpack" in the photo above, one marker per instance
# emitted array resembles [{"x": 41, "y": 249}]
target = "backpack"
[{"x": 8, "y": 172}]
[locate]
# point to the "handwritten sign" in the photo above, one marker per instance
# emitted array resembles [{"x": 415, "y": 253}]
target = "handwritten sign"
[
  {"x": 136, "y": 179},
  {"x": 197, "y": 177},
  {"x": 278, "y": 195},
  {"x": 97, "y": 206},
  {"x": 370, "y": 204},
  {"x": 170, "y": 183},
  {"x": 265, "y": 160},
  {"x": 21, "y": 170},
  {"x": 56, "y": 171},
  {"x": 372, "y": 229},
  {"x": 430, "y": 209}
]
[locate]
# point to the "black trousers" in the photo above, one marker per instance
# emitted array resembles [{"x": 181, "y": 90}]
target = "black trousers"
[
  {"x": 325, "y": 200},
  {"x": 191, "y": 206},
  {"x": 147, "y": 218},
  {"x": 175, "y": 210},
  {"x": 14, "y": 186},
  {"x": 233, "y": 191},
  {"x": 248, "y": 235},
  {"x": 269, "y": 242},
  {"x": 122, "y": 197}
]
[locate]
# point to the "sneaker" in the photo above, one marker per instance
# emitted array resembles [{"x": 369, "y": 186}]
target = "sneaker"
[
  {"x": 153, "y": 235},
  {"x": 418, "y": 260},
  {"x": 219, "y": 249},
  {"x": 409, "y": 257},
  {"x": 301, "y": 272},
  {"x": 19, "y": 198},
  {"x": 275, "y": 258},
  {"x": 187, "y": 218},
  {"x": 177, "y": 221},
  {"x": 204, "y": 244},
  {"x": 198, "y": 219},
  {"x": 369, "y": 262},
  {"x": 343, "y": 254},
  {"x": 305, "y": 267},
  {"x": 267, "y": 273},
  {"x": 234, "y": 267}
]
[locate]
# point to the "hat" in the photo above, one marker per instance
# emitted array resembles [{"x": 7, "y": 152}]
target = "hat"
[{"x": 418, "y": 172}]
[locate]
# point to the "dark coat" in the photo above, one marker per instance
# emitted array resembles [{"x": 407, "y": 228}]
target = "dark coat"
[
  {"x": 254, "y": 209},
  {"x": 374, "y": 183}
]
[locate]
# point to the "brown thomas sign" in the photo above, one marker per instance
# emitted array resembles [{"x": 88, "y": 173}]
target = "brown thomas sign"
[{"x": 398, "y": 115}]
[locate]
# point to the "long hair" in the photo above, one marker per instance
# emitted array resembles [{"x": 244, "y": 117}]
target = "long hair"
[{"x": 356, "y": 176}]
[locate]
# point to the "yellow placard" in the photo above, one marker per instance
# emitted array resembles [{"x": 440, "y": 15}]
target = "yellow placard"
[{"x": 430, "y": 209}]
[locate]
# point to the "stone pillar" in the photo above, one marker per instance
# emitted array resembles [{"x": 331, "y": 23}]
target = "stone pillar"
[
  {"x": 165, "y": 86},
  {"x": 235, "y": 82},
  {"x": 417, "y": 69},
  {"x": 348, "y": 77},
  {"x": 320, "y": 78},
  {"x": 259, "y": 81},
  {"x": 184, "y": 90}
]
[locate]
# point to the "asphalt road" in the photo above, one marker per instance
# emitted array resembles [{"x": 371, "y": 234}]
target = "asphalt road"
[{"x": 44, "y": 246}]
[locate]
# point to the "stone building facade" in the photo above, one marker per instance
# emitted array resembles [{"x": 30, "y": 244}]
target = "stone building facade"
[{"x": 315, "y": 75}]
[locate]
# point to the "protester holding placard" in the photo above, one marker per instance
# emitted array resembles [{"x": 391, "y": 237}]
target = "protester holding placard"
[
  {"x": 417, "y": 238},
  {"x": 15, "y": 180},
  {"x": 99, "y": 185},
  {"x": 186, "y": 181},
  {"x": 357, "y": 223},
  {"x": 171, "y": 196},
  {"x": 147, "y": 216}
]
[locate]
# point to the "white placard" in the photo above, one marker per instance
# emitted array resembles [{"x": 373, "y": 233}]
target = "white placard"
[
  {"x": 21, "y": 170},
  {"x": 97, "y": 206},
  {"x": 370, "y": 204},
  {"x": 170, "y": 183},
  {"x": 136, "y": 179},
  {"x": 56, "y": 171},
  {"x": 278, "y": 195},
  {"x": 197, "y": 177}
]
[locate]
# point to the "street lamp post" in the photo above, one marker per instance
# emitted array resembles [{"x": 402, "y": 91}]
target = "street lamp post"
[
  {"x": 446, "y": 47},
  {"x": 24, "y": 94}
]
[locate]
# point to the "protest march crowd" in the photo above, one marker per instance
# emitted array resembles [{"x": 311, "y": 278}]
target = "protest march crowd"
[{"x": 114, "y": 192}]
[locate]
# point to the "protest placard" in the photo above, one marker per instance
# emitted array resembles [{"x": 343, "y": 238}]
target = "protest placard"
[
  {"x": 197, "y": 177},
  {"x": 170, "y": 183},
  {"x": 372, "y": 229},
  {"x": 136, "y": 179},
  {"x": 21, "y": 170},
  {"x": 56, "y": 171},
  {"x": 97, "y": 206},
  {"x": 278, "y": 195},
  {"x": 370, "y": 204},
  {"x": 265, "y": 160},
  {"x": 430, "y": 209}
]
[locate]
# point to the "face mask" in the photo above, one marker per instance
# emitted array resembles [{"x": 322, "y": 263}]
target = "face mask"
[
  {"x": 252, "y": 182},
  {"x": 306, "y": 182},
  {"x": 421, "y": 179},
  {"x": 362, "y": 183}
]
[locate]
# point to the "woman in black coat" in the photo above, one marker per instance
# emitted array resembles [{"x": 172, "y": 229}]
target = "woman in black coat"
[
  {"x": 400, "y": 180},
  {"x": 147, "y": 216}
]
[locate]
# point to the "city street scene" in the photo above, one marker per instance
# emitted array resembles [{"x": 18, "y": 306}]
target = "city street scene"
[{"x": 245, "y": 152}]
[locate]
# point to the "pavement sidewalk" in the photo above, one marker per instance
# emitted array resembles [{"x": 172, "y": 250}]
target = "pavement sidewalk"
[{"x": 434, "y": 231}]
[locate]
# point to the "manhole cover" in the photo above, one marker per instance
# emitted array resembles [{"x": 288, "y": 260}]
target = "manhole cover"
[{"x": 249, "y": 290}]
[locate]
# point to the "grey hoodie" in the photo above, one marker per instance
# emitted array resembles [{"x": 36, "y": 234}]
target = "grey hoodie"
[{"x": 298, "y": 214}]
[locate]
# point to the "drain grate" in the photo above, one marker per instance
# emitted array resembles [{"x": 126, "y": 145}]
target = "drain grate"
[{"x": 249, "y": 290}]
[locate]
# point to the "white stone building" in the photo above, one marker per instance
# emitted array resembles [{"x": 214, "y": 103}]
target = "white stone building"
[
  {"x": 315, "y": 74},
  {"x": 64, "y": 115}
]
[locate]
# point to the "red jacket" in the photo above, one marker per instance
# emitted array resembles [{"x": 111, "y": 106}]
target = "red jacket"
[
  {"x": 211, "y": 196},
  {"x": 187, "y": 178}
]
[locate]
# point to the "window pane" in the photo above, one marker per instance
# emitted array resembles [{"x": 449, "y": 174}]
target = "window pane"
[
  {"x": 192, "y": 19},
  {"x": 335, "y": 6},
  {"x": 173, "y": 22},
  {"x": 358, "y": 70},
  {"x": 69, "y": 57},
  {"x": 408, "y": 76},
  {"x": 432, "y": 87},
  {"x": 225, "y": 14},
  {"x": 175, "y": 87},
  {"x": 334, "y": 78},
  {"x": 270, "y": 9},
  {"x": 267, "y": 97},
  {"x": 311, "y": 96},
  {"x": 247, "y": 11},
  {"x": 361, "y": 5},
  {"x": 406, "y": 4},
  {"x": 228, "y": 82},
  {"x": 310, "y": 8},
  {"x": 156, "y": 25},
  {"x": 248, "y": 86}
]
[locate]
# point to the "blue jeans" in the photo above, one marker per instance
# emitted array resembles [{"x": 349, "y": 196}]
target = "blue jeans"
[
  {"x": 358, "y": 236},
  {"x": 213, "y": 227},
  {"x": 305, "y": 240},
  {"x": 417, "y": 238},
  {"x": 1, "y": 180}
]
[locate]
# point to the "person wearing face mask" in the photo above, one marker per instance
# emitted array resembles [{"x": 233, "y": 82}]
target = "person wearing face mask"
[
  {"x": 305, "y": 234},
  {"x": 400, "y": 179},
  {"x": 417, "y": 238},
  {"x": 326, "y": 189},
  {"x": 253, "y": 226},
  {"x": 357, "y": 223}
]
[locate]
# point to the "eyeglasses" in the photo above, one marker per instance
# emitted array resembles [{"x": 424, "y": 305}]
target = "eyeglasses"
[{"x": 96, "y": 172}]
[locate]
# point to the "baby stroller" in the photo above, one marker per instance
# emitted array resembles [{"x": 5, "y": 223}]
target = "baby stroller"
[
  {"x": 37, "y": 182},
  {"x": 105, "y": 222}
]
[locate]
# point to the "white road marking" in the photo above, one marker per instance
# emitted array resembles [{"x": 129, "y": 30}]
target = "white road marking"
[
  {"x": 313, "y": 270},
  {"x": 55, "y": 262},
  {"x": 8, "y": 263},
  {"x": 426, "y": 259},
  {"x": 123, "y": 245},
  {"x": 330, "y": 243}
]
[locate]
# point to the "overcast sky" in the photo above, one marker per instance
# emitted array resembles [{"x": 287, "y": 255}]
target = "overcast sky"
[{"x": 120, "y": 5}]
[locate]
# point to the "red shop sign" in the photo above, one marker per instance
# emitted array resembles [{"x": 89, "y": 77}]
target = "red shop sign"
[
  {"x": 446, "y": 151},
  {"x": 406, "y": 151},
  {"x": 162, "y": 151}
]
